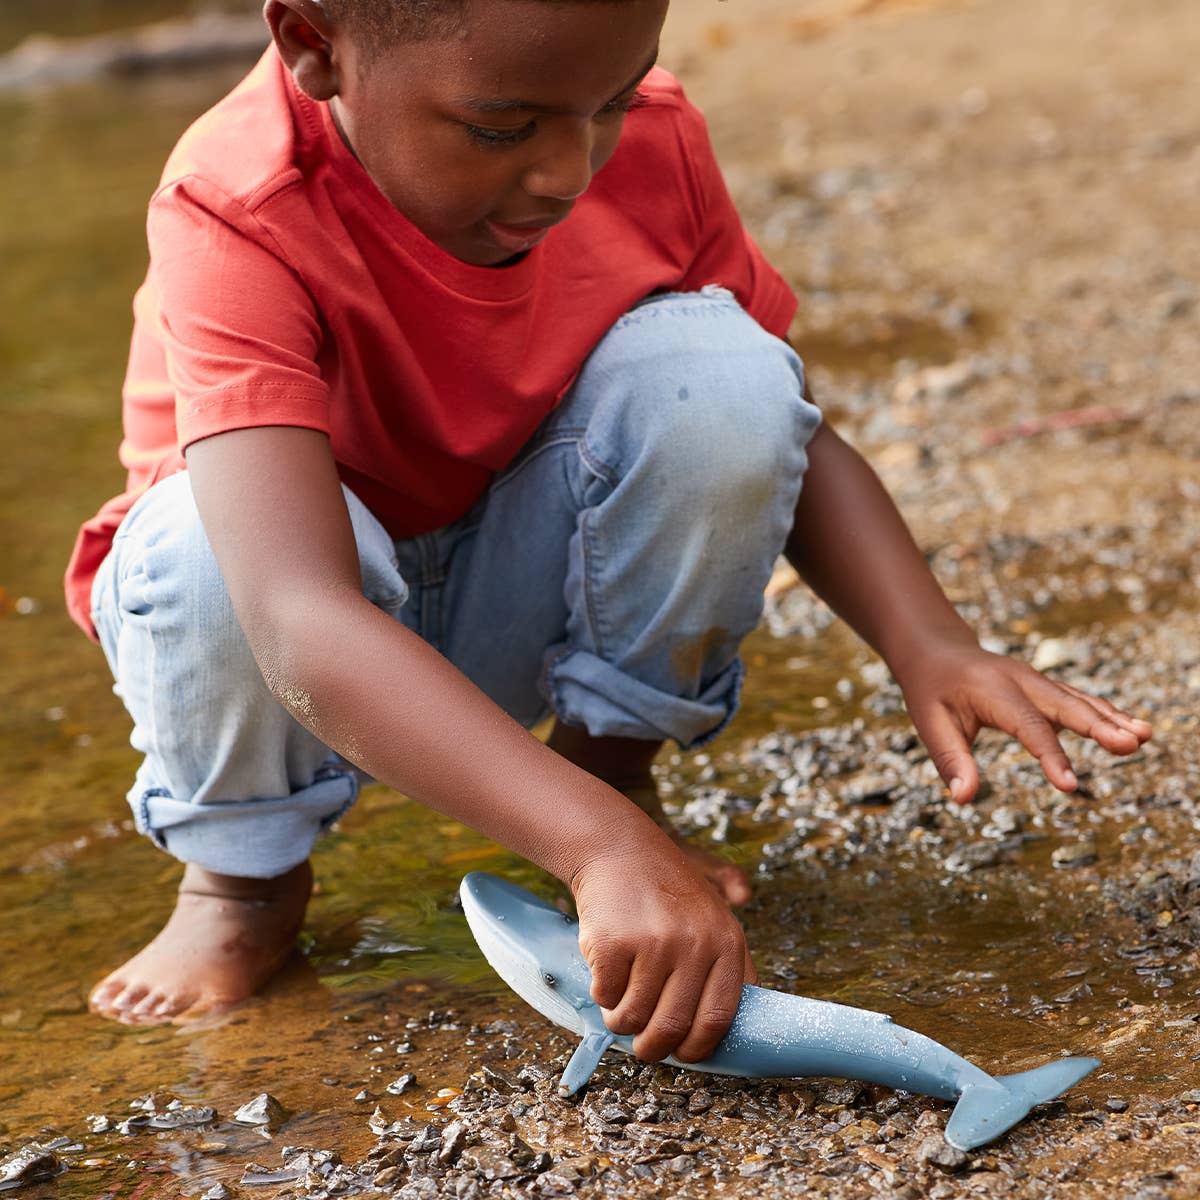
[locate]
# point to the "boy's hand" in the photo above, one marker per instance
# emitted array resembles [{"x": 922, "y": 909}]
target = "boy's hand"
[
  {"x": 668, "y": 958},
  {"x": 953, "y": 690}
]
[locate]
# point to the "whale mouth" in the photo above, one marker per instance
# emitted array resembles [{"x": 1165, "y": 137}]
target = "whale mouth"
[{"x": 526, "y": 942}]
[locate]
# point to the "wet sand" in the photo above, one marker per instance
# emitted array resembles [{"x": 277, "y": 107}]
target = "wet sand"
[{"x": 988, "y": 212}]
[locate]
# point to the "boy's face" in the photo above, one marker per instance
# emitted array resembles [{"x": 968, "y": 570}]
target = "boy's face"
[{"x": 485, "y": 138}]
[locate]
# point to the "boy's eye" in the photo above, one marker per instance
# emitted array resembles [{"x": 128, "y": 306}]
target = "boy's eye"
[
  {"x": 627, "y": 103},
  {"x": 484, "y": 136}
]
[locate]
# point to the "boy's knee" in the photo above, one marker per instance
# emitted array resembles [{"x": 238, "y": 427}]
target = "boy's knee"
[
  {"x": 710, "y": 402},
  {"x": 170, "y": 563},
  {"x": 168, "y": 568}
]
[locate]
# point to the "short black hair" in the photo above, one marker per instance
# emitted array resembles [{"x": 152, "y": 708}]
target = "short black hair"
[{"x": 382, "y": 22}]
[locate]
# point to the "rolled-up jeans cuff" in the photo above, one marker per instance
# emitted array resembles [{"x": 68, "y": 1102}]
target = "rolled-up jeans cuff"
[
  {"x": 594, "y": 695},
  {"x": 257, "y": 839}
]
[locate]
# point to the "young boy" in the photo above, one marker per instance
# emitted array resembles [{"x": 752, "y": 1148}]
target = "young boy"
[{"x": 485, "y": 412}]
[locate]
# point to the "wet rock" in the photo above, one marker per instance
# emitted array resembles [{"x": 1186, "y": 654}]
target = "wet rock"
[
  {"x": 1052, "y": 653},
  {"x": 1075, "y": 854},
  {"x": 972, "y": 857},
  {"x": 491, "y": 1164},
  {"x": 1116, "y": 1104},
  {"x": 264, "y": 1110},
  {"x": 309, "y": 1161},
  {"x": 218, "y": 1191},
  {"x": 938, "y": 1152},
  {"x": 99, "y": 1123},
  {"x": 454, "y": 1139},
  {"x": 385, "y": 1178},
  {"x": 399, "y": 1086},
  {"x": 256, "y": 1175},
  {"x": 699, "y": 1102},
  {"x": 180, "y": 1116},
  {"x": 33, "y": 1163}
]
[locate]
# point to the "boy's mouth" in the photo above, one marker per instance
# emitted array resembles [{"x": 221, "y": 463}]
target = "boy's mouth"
[{"x": 523, "y": 236}]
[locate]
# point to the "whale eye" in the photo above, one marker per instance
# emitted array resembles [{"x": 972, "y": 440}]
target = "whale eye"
[{"x": 549, "y": 979}]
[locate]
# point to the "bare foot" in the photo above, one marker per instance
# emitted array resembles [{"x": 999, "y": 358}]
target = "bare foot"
[
  {"x": 225, "y": 939},
  {"x": 728, "y": 878}
]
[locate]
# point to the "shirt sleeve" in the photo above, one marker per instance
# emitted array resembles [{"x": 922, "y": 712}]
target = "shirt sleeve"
[
  {"x": 725, "y": 253},
  {"x": 239, "y": 331}
]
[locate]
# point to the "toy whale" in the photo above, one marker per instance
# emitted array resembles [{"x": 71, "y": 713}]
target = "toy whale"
[{"x": 534, "y": 948}]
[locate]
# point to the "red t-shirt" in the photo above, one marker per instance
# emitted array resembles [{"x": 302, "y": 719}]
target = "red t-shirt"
[{"x": 284, "y": 289}]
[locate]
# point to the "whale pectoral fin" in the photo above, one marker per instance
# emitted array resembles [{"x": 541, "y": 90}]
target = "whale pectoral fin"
[{"x": 584, "y": 1062}]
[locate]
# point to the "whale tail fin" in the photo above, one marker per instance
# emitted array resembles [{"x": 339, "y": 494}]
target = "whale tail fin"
[{"x": 986, "y": 1110}]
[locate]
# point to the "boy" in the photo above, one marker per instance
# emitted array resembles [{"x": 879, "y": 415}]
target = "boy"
[{"x": 485, "y": 411}]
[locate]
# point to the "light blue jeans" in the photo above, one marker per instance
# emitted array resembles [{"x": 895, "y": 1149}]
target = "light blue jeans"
[{"x": 608, "y": 575}]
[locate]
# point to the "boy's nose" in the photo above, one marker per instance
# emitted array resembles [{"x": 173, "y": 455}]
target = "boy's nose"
[{"x": 564, "y": 171}]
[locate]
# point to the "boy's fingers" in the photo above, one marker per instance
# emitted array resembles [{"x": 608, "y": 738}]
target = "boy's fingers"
[
  {"x": 749, "y": 970},
  {"x": 715, "y": 1010},
  {"x": 637, "y": 1005},
  {"x": 674, "y": 1016},
  {"x": 951, "y": 753},
  {"x": 1024, "y": 721},
  {"x": 1078, "y": 714},
  {"x": 610, "y": 974},
  {"x": 1139, "y": 728}
]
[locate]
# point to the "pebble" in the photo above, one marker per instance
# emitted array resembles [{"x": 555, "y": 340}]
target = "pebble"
[
  {"x": 399, "y": 1086},
  {"x": 1052, "y": 653},
  {"x": 263, "y": 1110},
  {"x": 32, "y": 1163},
  {"x": 1075, "y": 854},
  {"x": 939, "y": 1153}
]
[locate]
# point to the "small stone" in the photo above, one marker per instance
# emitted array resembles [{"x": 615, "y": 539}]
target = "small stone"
[
  {"x": 99, "y": 1123},
  {"x": 399, "y": 1086},
  {"x": 454, "y": 1139},
  {"x": 681, "y": 1164},
  {"x": 1052, "y": 653},
  {"x": 939, "y": 1153},
  {"x": 31, "y": 1164},
  {"x": 1116, "y": 1104},
  {"x": 180, "y": 1116},
  {"x": 1075, "y": 854},
  {"x": 264, "y": 1109},
  {"x": 700, "y": 1101},
  {"x": 256, "y": 1175},
  {"x": 491, "y": 1164},
  {"x": 386, "y": 1177},
  {"x": 1190, "y": 1097},
  {"x": 218, "y": 1191}
]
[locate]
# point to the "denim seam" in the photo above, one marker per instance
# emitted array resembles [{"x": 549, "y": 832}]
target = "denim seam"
[
  {"x": 155, "y": 835},
  {"x": 593, "y": 562},
  {"x": 563, "y": 436}
]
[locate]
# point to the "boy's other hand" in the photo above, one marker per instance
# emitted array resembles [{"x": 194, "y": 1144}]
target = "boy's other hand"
[
  {"x": 668, "y": 958},
  {"x": 954, "y": 690}
]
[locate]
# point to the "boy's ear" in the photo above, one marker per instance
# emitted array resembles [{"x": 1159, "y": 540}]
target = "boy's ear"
[{"x": 303, "y": 35}]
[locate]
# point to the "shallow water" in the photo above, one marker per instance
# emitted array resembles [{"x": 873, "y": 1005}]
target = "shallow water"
[{"x": 963, "y": 960}]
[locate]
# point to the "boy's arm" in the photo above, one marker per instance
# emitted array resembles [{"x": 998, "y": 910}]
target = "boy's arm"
[
  {"x": 851, "y": 545},
  {"x": 667, "y": 956}
]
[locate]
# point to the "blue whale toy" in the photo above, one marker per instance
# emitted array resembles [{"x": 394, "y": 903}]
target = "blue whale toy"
[{"x": 534, "y": 948}]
